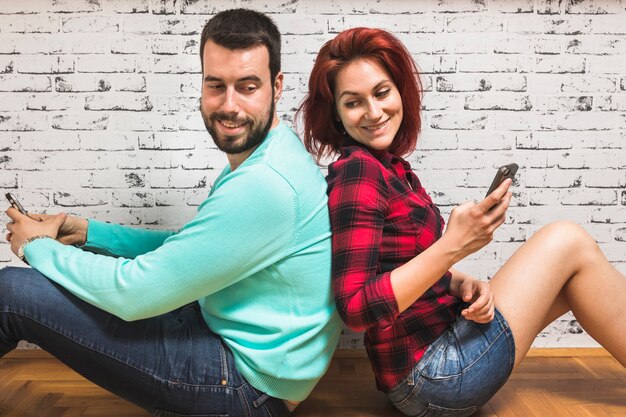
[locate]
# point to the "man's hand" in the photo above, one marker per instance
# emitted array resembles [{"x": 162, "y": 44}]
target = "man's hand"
[
  {"x": 478, "y": 293},
  {"x": 72, "y": 232},
  {"x": 22, "y": 227}
]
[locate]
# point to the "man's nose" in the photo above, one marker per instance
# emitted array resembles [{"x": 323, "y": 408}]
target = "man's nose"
[{"x": 230, "y": 103}]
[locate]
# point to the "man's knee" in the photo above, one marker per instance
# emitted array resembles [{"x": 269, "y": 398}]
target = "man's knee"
[{"x": 17, "y": 283}]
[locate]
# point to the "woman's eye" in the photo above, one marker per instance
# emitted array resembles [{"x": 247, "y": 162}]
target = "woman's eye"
[
  {"x": 351, "y": 104},
  {"x": 382, "y": 93}
]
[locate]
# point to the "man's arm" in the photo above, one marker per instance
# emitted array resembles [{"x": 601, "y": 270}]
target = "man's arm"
[
  {"x": 246, "y": 225},
  {"x": 106, "y": 238}
]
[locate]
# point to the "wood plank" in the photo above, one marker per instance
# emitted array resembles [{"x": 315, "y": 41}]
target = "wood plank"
[{"x": 550, "y": 382}]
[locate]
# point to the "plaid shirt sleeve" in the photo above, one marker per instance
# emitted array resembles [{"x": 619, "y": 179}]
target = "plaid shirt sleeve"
[{"x": 358, "y": 202}]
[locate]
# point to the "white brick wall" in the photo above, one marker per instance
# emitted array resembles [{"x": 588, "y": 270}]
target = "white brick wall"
[{"x": 98, "y": 108}]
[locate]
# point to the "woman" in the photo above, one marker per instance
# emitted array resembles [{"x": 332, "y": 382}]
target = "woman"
[{"x": 441, "y": 342}]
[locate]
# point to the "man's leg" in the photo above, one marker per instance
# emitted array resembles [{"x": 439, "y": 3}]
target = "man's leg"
[{"x": 172, "y": 362}]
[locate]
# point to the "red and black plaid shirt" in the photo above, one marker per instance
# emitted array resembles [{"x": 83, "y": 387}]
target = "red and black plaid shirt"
[{"x": 381, "y": 217}]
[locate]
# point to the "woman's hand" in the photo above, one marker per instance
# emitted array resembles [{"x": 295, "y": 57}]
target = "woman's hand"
[
  {"x": 22, "y": 227},
  {"x": 471, "y": 225},
  {"x": 478, "y": 293},
  {"x": 72, "y": 232}
]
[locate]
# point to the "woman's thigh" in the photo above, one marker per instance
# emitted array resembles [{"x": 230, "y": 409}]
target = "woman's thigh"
[
  {"x": 528, "y": 288},
  {"x": 172, "y": 362}
]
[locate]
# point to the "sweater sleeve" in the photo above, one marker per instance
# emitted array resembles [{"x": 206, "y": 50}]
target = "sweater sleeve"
[
  {"x": 357, "y": 204},
  {"x": 117, "y": 240},
  {"x": 246, "y": 225}
]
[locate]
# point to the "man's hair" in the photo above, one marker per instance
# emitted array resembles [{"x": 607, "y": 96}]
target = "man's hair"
[
  {"x": 322, "y": 134},
  {"x": 242, "y": 29}
]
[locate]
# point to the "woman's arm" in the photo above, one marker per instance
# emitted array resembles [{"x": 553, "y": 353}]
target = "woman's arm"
[
  {"x": 357, "y": 202},
  {"x": 470, "y": 228}
]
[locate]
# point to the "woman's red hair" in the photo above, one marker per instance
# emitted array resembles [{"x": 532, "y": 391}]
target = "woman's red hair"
[{"x": 323, "y": 135}]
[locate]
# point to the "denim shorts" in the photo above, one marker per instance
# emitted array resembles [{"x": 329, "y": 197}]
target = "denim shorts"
[{"x": 459, "y": 372}]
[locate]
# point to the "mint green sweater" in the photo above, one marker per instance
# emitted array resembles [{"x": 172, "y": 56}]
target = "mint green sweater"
[{"x": 256, "y": 257}]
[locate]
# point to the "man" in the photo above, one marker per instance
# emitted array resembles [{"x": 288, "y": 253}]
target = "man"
[{"x": 232, "y": 314}]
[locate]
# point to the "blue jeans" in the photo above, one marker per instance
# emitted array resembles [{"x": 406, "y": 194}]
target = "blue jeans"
[
  {"x": 460, "y": 371},
  {"x": 171, "y": 365}
]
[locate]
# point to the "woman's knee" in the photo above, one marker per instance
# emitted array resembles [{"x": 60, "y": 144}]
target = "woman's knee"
[{"x": 569, "y": 237}]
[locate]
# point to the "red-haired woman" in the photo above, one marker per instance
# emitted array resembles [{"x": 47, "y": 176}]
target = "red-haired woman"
[{"x": 441, "y": 342}]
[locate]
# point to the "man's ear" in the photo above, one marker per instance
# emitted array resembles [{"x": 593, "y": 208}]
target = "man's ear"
[{"x": 278, "y": 86}]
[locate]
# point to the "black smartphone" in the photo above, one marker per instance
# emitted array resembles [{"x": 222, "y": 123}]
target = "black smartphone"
[
  {"x": 504, "y": 172},
  {"x": 15, "y": 203}
]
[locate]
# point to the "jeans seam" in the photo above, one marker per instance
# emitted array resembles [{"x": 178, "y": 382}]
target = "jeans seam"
[
  {"x": 244, "y": 401},
  {"x": 224, "y": 361}
]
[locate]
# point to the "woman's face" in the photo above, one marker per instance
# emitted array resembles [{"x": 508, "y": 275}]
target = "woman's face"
[{"x": 368, "y": 103}]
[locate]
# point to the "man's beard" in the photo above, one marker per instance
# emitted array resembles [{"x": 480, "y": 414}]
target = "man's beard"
[{"x": 256, "y": 135}]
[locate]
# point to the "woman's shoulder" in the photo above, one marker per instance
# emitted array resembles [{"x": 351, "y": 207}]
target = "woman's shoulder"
[{"x": 355, "y": 157}]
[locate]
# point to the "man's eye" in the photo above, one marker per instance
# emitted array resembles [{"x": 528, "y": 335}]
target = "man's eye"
[
  {"x": 215, "y": 86},
  {"x": 250, "y": 88}
]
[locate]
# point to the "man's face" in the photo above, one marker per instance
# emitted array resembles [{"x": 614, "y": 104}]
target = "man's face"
[{"x": 238, "y": 96}]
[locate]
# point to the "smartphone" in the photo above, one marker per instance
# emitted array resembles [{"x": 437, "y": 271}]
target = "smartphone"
[
  {"x": 504, "y": 172},
  {"x": 15, "y": 203}
]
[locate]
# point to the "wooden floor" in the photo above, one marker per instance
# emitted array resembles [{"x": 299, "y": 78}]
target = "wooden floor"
[{"x": 549, "y": 383}]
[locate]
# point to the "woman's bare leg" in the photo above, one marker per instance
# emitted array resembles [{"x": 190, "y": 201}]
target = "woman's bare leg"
[{"x": 561, "y": 268}]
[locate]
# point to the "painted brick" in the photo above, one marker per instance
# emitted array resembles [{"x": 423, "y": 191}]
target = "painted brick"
[
  {"x": 548, "y": 6},
  {"x": 505, "y": 6},
  {"x": 164, "y": 6},
  {"x": 474, "y": 23},
  {"x": 132, "y": 102},
  {"x": 549, "y": 46},
  {"x": 35, "y": 23},
  {"x": 125, "y": 6},
  {"x": 177, "y": 179},
  {"x": 81, "y": 198},
  {"x": 572, "y": 25},
  {"x": 478, "y": 63},
  {"x": 49, "y": 141},
  {"x": 555, "y": 103},
  {"x": 482, "y": 82},
  {"x": 105, "y": 63},
  {"x": 513, "y": 45},
  {"x": 22, "y": 122},
  {"x": 593, "y": 7},
  {"x": 497, "y": 102},
  {"x": 36, "y": 64},
  {"x": 126, "y": 198},
  {"x": 167, "y": 140},
  {"x": 608, "y": 24},
  {"x": 559, "y": 64},
  {"x": 10, "y": 102},
  {"x": 87, "y": 24},
  {"x": 596, "y": 45},
  {"x": 113, "y": 179}
]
